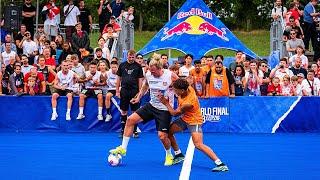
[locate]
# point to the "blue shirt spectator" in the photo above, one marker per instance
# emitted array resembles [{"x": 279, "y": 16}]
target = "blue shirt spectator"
[
  {"x": 307, "y": 13},
  {"x": 117, "y": 7}
]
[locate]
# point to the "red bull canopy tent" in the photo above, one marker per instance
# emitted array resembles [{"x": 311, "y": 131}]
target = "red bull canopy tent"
[{"x": 195, "y": 30}]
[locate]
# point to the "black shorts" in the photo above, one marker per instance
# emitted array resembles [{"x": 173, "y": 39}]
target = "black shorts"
[
  {"x": 113, "y": 92},
  {"x": 91, "y": 92},
  {"x": 125, "y": 97},
  {"x": 63, "y": 92},
  {"x": 162, "y": 118}
]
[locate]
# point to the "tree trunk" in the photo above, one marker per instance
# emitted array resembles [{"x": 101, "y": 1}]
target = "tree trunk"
[{"x": 140, "y": 21}]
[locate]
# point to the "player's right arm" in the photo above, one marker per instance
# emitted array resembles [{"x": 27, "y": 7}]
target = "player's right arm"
[{"x": 142, "y": 91}]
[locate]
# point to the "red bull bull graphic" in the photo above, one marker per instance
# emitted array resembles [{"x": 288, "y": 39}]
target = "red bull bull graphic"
[
  {"x": 179, "y": 29},
  {"x": 212, "y": 30}
]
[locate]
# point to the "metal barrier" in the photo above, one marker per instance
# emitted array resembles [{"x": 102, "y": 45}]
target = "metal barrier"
[{"x": 276, "y": 33}]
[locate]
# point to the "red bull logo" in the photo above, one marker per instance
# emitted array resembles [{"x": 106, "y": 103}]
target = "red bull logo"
[{"x": 194, "y": 25}]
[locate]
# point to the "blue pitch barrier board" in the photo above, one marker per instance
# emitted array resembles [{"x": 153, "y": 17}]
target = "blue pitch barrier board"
[{"x": 234, "y": 115}]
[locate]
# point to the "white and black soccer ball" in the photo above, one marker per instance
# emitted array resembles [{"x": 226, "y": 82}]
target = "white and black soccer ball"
[{"x": 114, "y": 159}]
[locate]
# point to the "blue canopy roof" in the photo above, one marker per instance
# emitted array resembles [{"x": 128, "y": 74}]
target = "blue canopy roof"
[{"x": 195, "y": 30}]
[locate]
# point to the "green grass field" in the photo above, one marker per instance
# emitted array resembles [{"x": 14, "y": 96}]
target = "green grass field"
[{"x": 257, "y": 41}]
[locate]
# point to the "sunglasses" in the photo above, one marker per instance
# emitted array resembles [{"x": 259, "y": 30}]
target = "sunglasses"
[
  {"x": 217, "y": 63},
  {"x": 292, "y": 33},
  {"x": 264, "y": 66}
]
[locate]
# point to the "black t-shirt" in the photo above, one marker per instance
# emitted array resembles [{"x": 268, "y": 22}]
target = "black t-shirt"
[
  {"x": 296, "y": 71},
  {"x": 84, "y": 17},
  {"x": 130, "y": 74},
  {"x": 28, "y": 21},
  {"x": 19, "y": 37},
  {"x": 229, "y": 77},
  {"x": 297, "y": 29},
  {"x": 117, "y": 8},
  {"x": 105, "y": 15}
]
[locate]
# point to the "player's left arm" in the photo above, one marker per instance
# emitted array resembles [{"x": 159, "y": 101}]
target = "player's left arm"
[{"x": 180, "y": 110}]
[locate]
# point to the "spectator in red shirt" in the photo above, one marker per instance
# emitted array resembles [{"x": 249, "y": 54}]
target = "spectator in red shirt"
[
  {"x": 50, "y": 61},
  {"x": 116, "y": 26},
  {"x": 274, "y": 89},
  {"x": 39, "y": 84}
]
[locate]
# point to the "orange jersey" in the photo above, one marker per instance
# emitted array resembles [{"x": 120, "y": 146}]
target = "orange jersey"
[
  {"x": 219, "y": 85},
  {"x": 198, "y": 83},
  {"x": 206, "y": 68},
  {"x": 192, "y": 116}
]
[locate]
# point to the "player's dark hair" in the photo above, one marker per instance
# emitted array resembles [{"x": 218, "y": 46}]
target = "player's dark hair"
[
  {"x": 181, "y": 83},
  {"x": 197, "y": 62}
]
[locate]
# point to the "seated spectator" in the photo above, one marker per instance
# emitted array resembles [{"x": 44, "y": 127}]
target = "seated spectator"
[
  {"x": 239, "y": 77},
  {"x": 128, "y": 15},
  {"x": 293, "y": 13},
  {"x": 102, "y": 68},
  {"x": 111, "y": 83},
  {"x": 49, "y": 60},
  {"x": 16, "y": 80},
  {"x": 105, "y": 49},
  {"x": 42, "y": 43},
  {"x": 300, "y": 54},
  {"x": 274, "y": 89},
  {"x": 298, "y": 68},
  {"x": 253, "y": 80},
  {"x": 63, "y": 83},
  {"x": 278, "y": 11},
  {"x": 59, "y": 41},
  {"x": 184, "y": 71},
  {"x": 8, "y": 39},
  {"x": 315, "y": 68},
  {"x": 29, "y": 47},
  {"x": 116, "y": 26},
  {"x": 293, "y": 43},
  {"x": 35, "y": 85},
  {"x": 47, "y": 72},
  {"x": 5, "y": 76},
  {"x": 198, "y": 77},
  {"x": 311, "y": 85},
  {"x": 281, "y": 70},
  {"x": 18, "y": 38},
  {"x": 91, "y": 89},
  {"x": 98, "y": 55},
  {"x": 286, "y": 87},
  {"x": 292, "y": 26},
  {"x": 219, "y": 81},
  {"x": 8, "y": 54},
  {"x": 25, "y": 67},
  {"x": 81, "y": 42},
  {"x": 65, "y": 52},
  {"x": 296, "y": 83},
  {"x": 265, "y": 80},
  {"x": 109, "y": 35},
  {"x": 77, "y": 67},
  {"x": 40, "y": 32},
  {"x": 10, "y": 66}
]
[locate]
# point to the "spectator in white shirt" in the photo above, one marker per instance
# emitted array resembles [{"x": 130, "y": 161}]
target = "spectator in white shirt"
[
  {"x": 25, "y": 67},
  {"x": 281, "y": 70},
  {"x": 311, "y": 85},
  {"x": 278, "y": 11},
  {"x": 71, "y": 14},
  {"x": 8, "y": 54}
]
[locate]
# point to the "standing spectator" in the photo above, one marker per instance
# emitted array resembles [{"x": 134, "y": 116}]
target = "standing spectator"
[
  {"x": 8, "y": 54},
  {"x": 29, "y": 47},
  {"x": 63, "y": 83},
  {"x": 118, "y": 8},
  {"x": 239, "y": 77},
  {"x": 25, "y": 67},
  {"x": 184, "y": 71},
  {"x": 209, "y": 63},
  {"x": 8, "y": 39},
  {"x": 310, "y": 31},
  {"x": 105, "y": 50},
  {"x": 91, "y": 89},
  {"x": 292, "y": 26},
  {"x": 238, "y": 61},
  {"x": 16, "y": 80},
  {"x": 109, "y": 35},
  {"x": 111, "y": 82},
  {"x": 198, "y": 76},
  {"x": 265, "y": 80},
  {"x": 128, "y": 15},
  {"x": 311, "y": 85},
  {"x": 299, "y": 54},
  {"x": 130, "y": 76},
  {"x": 85, "y": 17},
  {"x": 293, "y": 43},
  {"x": 164, "y": 61},
  {"x": 116, "y": 26},
  {"x": 104, "y": 12},
  {"x": 298, "y": 68},
  {"x": 52, "y": 19},
  {"x": 278, "y": 11},
  {"x": 28, "y": 14},
  {"x": 80, "y": 42},
  {"x": 253, "y": 80},
  {"x": 219, "y": 81},
  {"x": 19, "y": 37},
  {"x": 71, "y": 14}
]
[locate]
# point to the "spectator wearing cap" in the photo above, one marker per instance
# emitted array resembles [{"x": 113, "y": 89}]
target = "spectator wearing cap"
[
  {"x": 300, "y": 77},
  {"x": 71, "y": 14},
  {"x": 80, "y": 42},
  {"x": 99, "y": 57},
  {"x": 311, "y": 85},
  {"x": 299, "y": 54},
  {"x": 298, "y": 68},
  {"x": 40, "y": 32},
  {"x": 219, "y": 81},
  {"x": 117, "y": 7},
  {"x": 29, "y": 47}
]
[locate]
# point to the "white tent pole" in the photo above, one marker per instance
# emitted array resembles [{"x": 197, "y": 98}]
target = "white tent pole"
[
  {"x": 169, "y": 18},
  {"x": 37, "y": 16}
]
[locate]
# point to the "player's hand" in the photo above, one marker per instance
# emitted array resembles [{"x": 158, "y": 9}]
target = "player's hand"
[
  {"x": 163, "y": 99},
  {"x": 135, "y": 100}
]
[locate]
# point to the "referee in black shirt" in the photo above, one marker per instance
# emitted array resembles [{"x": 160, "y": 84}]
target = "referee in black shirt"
[{"x": 130, "y": 76}]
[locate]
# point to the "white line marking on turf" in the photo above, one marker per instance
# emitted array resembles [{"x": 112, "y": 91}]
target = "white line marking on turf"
[
  {"x": 186, "y": 167},
  {"x": 276, "y": 126}
]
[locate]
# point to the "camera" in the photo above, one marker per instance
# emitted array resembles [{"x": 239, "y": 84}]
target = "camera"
[{"x": 281, "y": 66}]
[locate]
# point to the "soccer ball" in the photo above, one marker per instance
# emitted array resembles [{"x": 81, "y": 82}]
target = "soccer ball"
[{"x": 114, "y": 159}]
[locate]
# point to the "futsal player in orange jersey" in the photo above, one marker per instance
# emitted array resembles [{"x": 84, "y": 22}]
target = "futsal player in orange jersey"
[{"x": 191, "y": 119}]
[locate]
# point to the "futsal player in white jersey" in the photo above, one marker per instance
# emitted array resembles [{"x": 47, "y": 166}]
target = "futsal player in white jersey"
[
  {"x": 157, "y": 81},
  {"x": 63, "y": 83}
]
